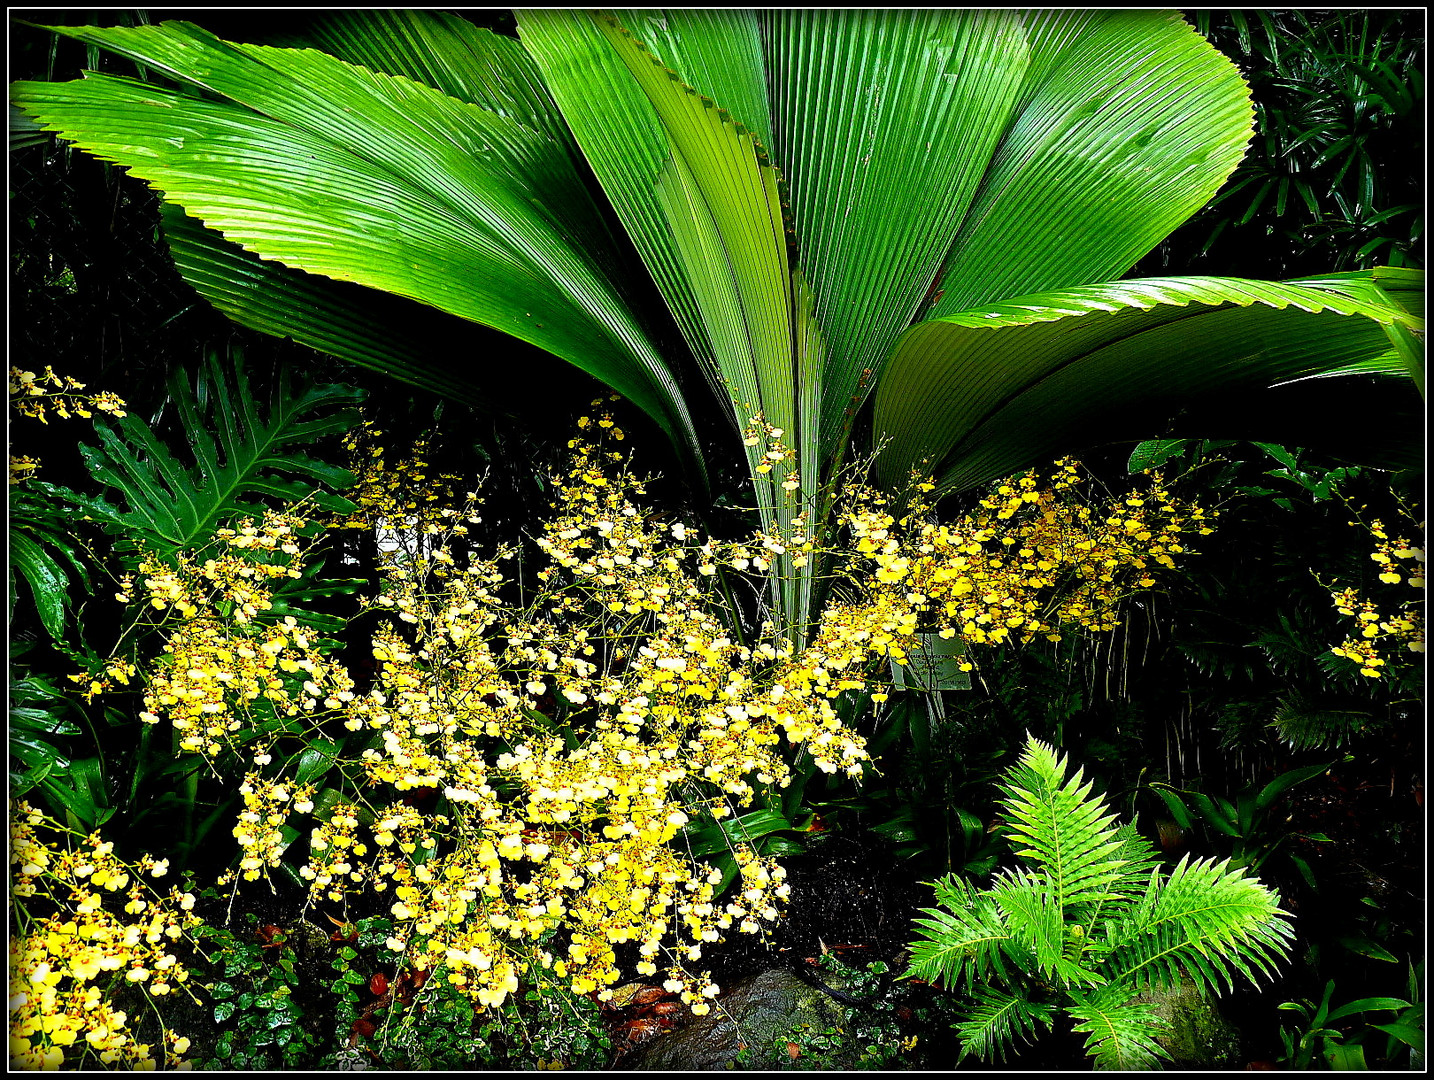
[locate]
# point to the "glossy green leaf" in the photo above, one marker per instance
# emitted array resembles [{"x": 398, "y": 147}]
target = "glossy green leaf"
[
  {"x": 1128, "y": 123},
  {"x": 365, "y": 326},
  {"x": 1364, "y": 1005},
  {"x": 884, "y": 126},
  {"x": 443, "y": 51},
  {"x": 1409, "y": 1035},
  {"x": 622, "y": 136},
  {"x": 49, "y": 583},
  {"x": 1282, "y": 783},
  {"x": 342, "y": 172},
  {"x": 979, "y": 395},
  {"x": 238, "y": 450},
  {"x": 1154, "y": 453},
  {"x": 743, "y": 829}
]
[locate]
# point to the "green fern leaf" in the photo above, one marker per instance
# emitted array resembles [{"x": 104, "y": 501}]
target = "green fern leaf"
[
  {"x": 1058, "y": 825},
  {"x": 997, "y": 1020},
  {"x": 1207, "y": 920},
  {"x": 1309, "y": 725},
  {"x": 963, "y": 940},
  {"x": 1119, "y": 1034},
  {"x": 1033, "y": 916}
]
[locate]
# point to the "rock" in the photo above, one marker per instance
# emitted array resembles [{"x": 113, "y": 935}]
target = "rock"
[
  {"x": 752, "y": 1013},
  {"x": 1199, "y": 1036}
]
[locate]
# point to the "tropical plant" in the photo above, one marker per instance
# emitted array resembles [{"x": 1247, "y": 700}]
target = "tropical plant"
[
  {"x": 1333, "y": 176},
  {"x": 241, "y": 453},
  {"x": 1325, "y": 1029},
  {"x": 1248, "y": 822},
  {"x": 159, "y": 506},
  {"x": 833, "y": 206},
  {"x": 1086, "y": 923}
]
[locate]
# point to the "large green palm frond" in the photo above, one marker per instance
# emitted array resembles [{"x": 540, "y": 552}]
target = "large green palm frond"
[
  {"x": 349, "y": 174},
  {"x": 975, "y": 395},
  {"x": 977, "y": 169}
]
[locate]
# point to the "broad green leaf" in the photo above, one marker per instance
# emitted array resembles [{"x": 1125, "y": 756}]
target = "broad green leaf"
[
  {"x": 884, "y": 125},
  {"x": 1176, "y": 806},
  {"x": 1154, "y": 453},
  {"x": 339, "y": 171},
  {"x": 982, "y": 394},
  {"x": 443, "y": 51},
  {"x": 622, "y": 136},
  {"x": 48, "y": 581},
  {"x": 743, "y": 829},
  {"x": 721, "y": 198},
  {"x": 1345, "y": 1057},
  {"x": 1364, "y": 1005},
  {"x": 1411, "y": 1036},
  {"x": 1365, "y": 947},
  {"x": 1282, "y": 783},
  {"x": 1128, "y": 122},
  {"x": 239, "y": 452},
  {"x": 364, "y": 326}
]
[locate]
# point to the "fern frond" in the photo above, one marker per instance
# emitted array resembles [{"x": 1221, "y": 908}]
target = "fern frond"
[
  {"x": 1120, "y": 1034},
  {"x": 1060, "y": 827},
  {"x": 1031, "y": 914},
  {"x": 964, "y": 940},
  {"x": 1207, "y": 920},
  {"x": 1307, "y": 725},
  {"x": 1140, "y": 857},
  {"x": 997, "y": 1020}
]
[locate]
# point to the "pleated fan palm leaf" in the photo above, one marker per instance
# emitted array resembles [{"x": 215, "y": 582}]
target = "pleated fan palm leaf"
[{"x": 831, "y": 205}]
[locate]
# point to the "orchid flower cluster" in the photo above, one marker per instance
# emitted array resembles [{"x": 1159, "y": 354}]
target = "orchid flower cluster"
[
  {"x": 70, "y": 948},
  {"x": 1386, "y": 623},
  {"x": 40, "y": 396},
  {"x": 525, "y": 774}
]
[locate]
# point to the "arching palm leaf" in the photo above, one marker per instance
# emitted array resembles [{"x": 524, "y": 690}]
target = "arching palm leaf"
[
  {"x": 930, "y": 164},
  {"x": 979, "y": 394}
]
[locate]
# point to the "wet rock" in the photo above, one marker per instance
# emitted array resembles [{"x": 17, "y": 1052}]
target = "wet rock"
[
  {"x": 752, "y": 1013},
  {"x": 1199, "y": 1036}
]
